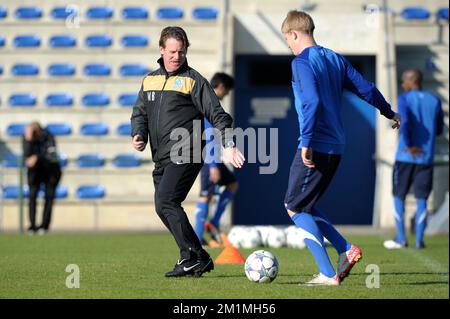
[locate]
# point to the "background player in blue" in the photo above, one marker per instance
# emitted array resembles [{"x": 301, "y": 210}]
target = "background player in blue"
[
  {"x": 422, "y": 120},
  {"x": 319, "y": 79},
  {"x": 214, "y": 174}
]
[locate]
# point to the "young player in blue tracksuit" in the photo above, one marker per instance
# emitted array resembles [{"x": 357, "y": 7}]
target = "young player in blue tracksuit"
[
  {"x": 422, "y": 120},
  {"x": 319, "y": 79},
  {"x": 214, "y": 173}
]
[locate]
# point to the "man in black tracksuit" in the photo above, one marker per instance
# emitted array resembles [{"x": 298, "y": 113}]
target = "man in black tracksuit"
[
  {"x": 41, "y": 160},
  {"x": 171, "y": 98}
]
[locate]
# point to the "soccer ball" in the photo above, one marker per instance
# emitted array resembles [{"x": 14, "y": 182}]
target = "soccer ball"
[
  {"x": 276, "y": 238},
  {"x": 244, "y": 237},
  {"x": 251, "y": 238},
  {"x": 261, "y": 266}
]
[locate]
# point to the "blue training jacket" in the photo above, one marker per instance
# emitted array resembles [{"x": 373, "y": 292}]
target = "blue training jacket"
[
  {"x": 422, "y": 120},
  {"x": 320, "y": 76}
]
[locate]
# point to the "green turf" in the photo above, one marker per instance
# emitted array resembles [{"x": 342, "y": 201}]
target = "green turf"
[{"x": 133, "y": 266}]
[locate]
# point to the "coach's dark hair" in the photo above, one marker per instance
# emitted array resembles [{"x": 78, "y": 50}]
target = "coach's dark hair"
[
  {"x": 222, "y": 78},
  {"x": 176, "y": 33}
]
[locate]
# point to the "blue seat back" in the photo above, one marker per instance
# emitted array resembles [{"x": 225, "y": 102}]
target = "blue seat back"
[
  {"x": 22, "y": 99},
  {"x": 59, "y": 99},
  {"x": 91, "y": 192},
  {"x": 59, "y": 129},
  {"x": 97, "y": 69},
  {"x": 133, "y": 13},
  {"x": 61, "y": 69},
  {"x": 170, "y": 13},
  {"x": 27, "y": 41},
  {"x": 25, "y": 69},
  {"x": 90, "y": 160},
  {"x": 95, "y": 100},
  {"x": 62, "y": 41},
  {"x": 127, "y": 160},
  {"x": 94, "y": 129},
  {"x": 205, "y": 13}
]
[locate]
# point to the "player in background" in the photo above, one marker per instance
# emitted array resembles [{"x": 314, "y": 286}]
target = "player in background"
[
  {"x": 319, "y": 79},
  {"x": 422, "y": 120},
  {"x": 214, "y": 174}
]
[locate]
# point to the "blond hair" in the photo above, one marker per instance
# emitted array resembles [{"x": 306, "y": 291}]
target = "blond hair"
[{"x": 298, "y": 21}]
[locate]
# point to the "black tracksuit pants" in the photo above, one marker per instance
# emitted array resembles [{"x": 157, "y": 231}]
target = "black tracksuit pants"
[
  {"x": 172, "y": 184},
  {"x": 49, "y": 175}
]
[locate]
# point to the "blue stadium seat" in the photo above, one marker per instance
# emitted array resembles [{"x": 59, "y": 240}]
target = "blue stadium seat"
[
  {"x": 2, "y": 41},
  {"x": 91, "y": 192},
  {"x": 62, "y": 41},
  {"x": 415, "y": 13},
  {"x": 95, "y": 100},
  {"x": 25, "y": 69},
  {"x": 97, "y": 69},
  {"x": 98, "y": 41},
  {"x": 16, "y": 129},
  {"x": 134, "y": 41},
  {"x": 59, "y": 99},
  {"x": 59, "y": 129},
  {"x": 94, "y": 129},
  {"x": 3, "y": 13},
  {"x": 133, "y": 13},
  {"x": 133, "y": 70},
  {"x": 61, "y": 69},
  {"x": 124, "y": 129},
  {"x": 12, "y": 191},
  {"x": 28, "y": 13},
  {"x": 60, "y": 193},
  {"x": 127, "y": 160},
  {"x": 10, "y": 160},
  {"x": 22, "y": 99},
  {"x": 27, "y": 41},
  {"x": 127, "y": 99},
  {"x": 63, "y": 160},
  {"x": 63, "y": 12},
  {"x": 90, "y": 160},
  {"x": 205, "y": 13},
  {"x": 442, "y": 13},
  {"x": 170, "y": 13},
  {"x": 99, "y": 13}
]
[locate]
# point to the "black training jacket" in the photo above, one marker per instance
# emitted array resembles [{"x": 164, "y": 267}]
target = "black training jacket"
[{"x": 167, "y": 101}]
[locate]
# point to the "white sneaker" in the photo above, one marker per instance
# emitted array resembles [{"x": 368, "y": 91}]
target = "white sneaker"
[
  {"x": 41, "y": 231},
  {"x": 322, "y": 280},
  {"x": 392, "y": 244},
  {"x": 347, "y": 260}
]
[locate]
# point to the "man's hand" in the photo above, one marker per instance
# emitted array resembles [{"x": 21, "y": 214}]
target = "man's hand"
[
  {"x": 307, "y": 154},
  {"x": 138, "y": 143},
  {"x": 31, "y": 161},
  {"x": 397, "y": 121},
  {"x": 214, "y": 175},
  {"x": 234, "y": 156},
  {"x": 414, "y": 151}
]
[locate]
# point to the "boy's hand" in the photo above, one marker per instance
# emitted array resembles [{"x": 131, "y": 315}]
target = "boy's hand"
[{"x": 307, "y": 154}]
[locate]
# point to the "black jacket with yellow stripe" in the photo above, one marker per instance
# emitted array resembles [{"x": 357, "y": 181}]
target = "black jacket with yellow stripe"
[{"x": 168, "y": 101}]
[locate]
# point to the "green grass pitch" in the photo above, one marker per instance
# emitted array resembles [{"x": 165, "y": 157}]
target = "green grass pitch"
[{"x": 133, "y": 266}]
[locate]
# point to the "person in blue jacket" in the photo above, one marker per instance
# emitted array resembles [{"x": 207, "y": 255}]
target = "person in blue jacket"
[
  {"x": 214, "y": 174},
  {"x": 320, "y": 76},
  {"x": 422, "y": 117}
]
